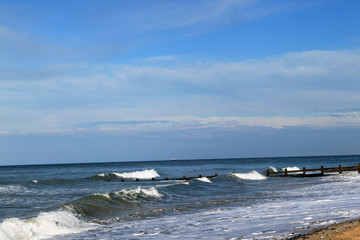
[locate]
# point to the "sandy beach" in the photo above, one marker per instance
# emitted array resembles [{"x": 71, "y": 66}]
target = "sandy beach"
[{"x": 342, "y": 231}]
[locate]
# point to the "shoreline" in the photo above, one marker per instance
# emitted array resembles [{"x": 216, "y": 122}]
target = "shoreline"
[{"x": 349, "y": 230}]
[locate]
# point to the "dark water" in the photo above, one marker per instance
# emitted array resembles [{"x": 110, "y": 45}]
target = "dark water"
[{"x": 104, "y": 200}]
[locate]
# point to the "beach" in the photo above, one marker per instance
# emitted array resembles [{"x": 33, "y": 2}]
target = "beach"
[{"x": 349, "y": 230}]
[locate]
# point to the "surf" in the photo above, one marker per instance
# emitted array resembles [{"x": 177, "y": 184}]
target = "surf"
[
  {"x": 102, "y": 206},
  {"x": 253, "y": 175},
  {"x": 144, "y": 174},
  {"x": 44, "y": 226}
]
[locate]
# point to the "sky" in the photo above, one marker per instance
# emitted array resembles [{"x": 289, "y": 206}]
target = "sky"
[{"x": 98, "y": 81}]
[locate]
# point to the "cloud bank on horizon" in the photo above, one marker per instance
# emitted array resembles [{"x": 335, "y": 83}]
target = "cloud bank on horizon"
[{"x": 141, "y": 66}]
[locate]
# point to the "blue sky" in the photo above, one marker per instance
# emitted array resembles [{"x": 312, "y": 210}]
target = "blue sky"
[{"x": 89, "y": 81}]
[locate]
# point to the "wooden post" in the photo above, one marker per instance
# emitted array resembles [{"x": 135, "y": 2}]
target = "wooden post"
[
  {"x": 322, "y": 170},
  {"x": 340, "y": 171},
  {"x": 304, "y": 170},
  {"x": 268, "y": 172},
  {"x": 286, "y": 173}
]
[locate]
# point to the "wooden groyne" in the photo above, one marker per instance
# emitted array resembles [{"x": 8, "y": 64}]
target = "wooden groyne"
[
  {"x": 173, "y": 179},
  {"x": 312, "y": 172}
]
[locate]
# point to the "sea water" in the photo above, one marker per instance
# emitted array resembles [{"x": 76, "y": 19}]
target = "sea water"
[{"x": 121, "y": 201}]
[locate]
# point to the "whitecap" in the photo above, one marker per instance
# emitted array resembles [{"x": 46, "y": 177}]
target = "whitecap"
[
  {"x": 106, "y": 195},
  {"x": 13, "y": 189},
  {"x": 145, "y": 174},
  {"x": 294, "y": 168},
  {"x": 139, "y": 192},
  {"x": 253, "y": 175},
  {"x": 45, "y": 225},
  {"x": 204, "y": 179},
  {"x": 175, "y": 182},
  {"x": 272, "y": 169}
]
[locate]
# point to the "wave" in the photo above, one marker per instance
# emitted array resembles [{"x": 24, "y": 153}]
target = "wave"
[
  {"x": 54, "y": 181},
  {"x": 253, "y": 175},
  {"x": 45, "y": 225},
  {"x": 145, "y": 174},
  {"x": 135, "y": 194},
  {"x": 290, "y": 168},
  {"x": 13, "y": 189},
  {"x": 204, "y": 179},
  {"x": 173, "y": 183},
  {"x": 102, "y": 205},
  {"x": 272, "y": 169}
]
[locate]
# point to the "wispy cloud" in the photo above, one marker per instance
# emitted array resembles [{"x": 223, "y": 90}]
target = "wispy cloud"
[
  {"x": 348, "y": 119},
  {"x": 61, "y": 97},
  {"x": 111, "y": 28},
  {"x": 176, "y": 14}
]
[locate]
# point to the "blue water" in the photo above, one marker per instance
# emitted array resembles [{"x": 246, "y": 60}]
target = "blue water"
[{"x": 104, "y": 200}]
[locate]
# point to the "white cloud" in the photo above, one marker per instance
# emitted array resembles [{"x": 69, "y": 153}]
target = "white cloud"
[
  {"x": 177, "y": 14},
  {"x": 61, "y": 97},
  {"x": 63, "y": 122},
  {"x": 193, "y": 14}
]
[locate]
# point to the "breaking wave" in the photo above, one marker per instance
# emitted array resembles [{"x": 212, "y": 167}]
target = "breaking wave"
[
  {"x": 290, "y": 168},
  {"x": 204, "y": 179},
  {"x": 145, "y": 174},
  {"x": 272, "y": 169},
  {"x": 135, "y": 194},
  {"x": 253, "y": 175},
  {"x": 45, "y": 225},
  {"x": 103, "y": 205}
]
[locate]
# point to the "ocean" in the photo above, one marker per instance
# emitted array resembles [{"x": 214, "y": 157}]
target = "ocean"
[{"x": 121, "y": 201}]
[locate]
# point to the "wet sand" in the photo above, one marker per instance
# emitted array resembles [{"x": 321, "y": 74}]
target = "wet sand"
[{"x": 342, "y": 231}]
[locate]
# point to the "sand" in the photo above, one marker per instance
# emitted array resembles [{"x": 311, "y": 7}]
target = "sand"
[{"x": 342, "y": 231}]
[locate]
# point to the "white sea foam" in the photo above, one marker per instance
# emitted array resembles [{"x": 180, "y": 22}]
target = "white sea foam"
[
  {"x": 46, "y": 225},
  {"x": 204, "y": 179},
  {"x": 13, "y": 189},
  {"x": 145, "y": 174},
  {"x": 272, "y": 169},
  {"x": 134, "y": 194},
  {"x": 150, "y": 192},
  {"x": 291, "y": 168},
  {"x": 253, "y": 175},
  {"x": 106, "y": 195},
  {"x": 175, "y": 182}
]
